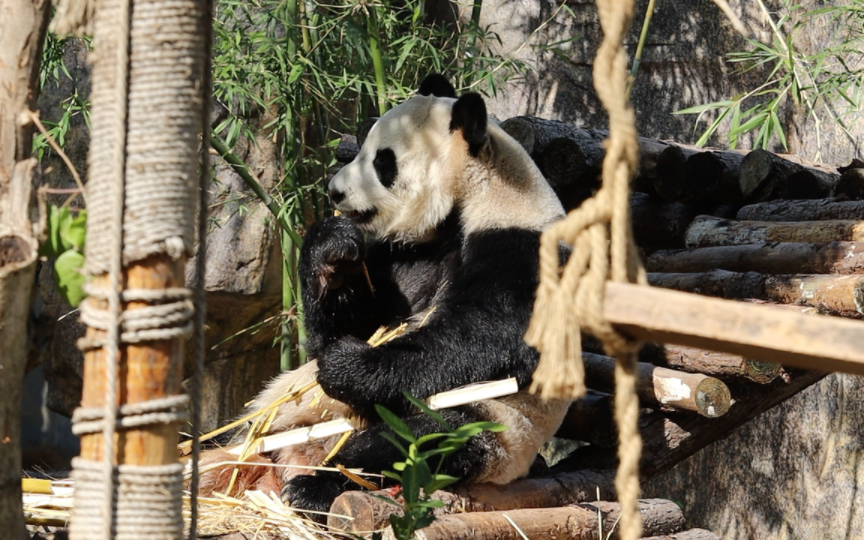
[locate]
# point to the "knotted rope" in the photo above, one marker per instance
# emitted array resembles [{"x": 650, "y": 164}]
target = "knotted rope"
[
  {"x": 599, "y": 231},
  {"x": 147, "y": 114}
]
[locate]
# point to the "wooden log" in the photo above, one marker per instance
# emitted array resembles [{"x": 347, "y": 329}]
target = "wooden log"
[
  {"x": 779, "y": 258},
  {"x": 572, "y": 167},
  {"x": 689, "y": 173},
  {"x": 667, "y": 388},
  {"x": 772, "y": 335},
  {"x": 364, "y": 512},
  {"x": 669, "y": 179},
  {"x": 765, "y": 176},
  {"x": 591, "y": 419},
  {"x": 835, "y": 295},
  {"x": 820, "y": 209},
  {"x": 713, "y": 176},
  {"x": 706, "y": 231},
  {"x": 577, "y": 521},
  {"x": 713, "y": 363},
  {"x": 692, "y": 534},
  {"x": 718, "y": 283},
  {"x": 658, "y": 224},
  {"x": 668, "y": 439},
  {"x": 850, "y": 186}
]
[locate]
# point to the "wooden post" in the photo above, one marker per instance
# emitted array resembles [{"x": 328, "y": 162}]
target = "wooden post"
[
  {"x": 754, "y": 331},
  {"x": 148, "y": 371},
  {"x": 23, "y": 25}
]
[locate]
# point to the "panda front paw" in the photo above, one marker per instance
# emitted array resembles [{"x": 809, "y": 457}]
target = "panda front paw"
[
  {"x": 314, "y": 492},
  {"x": 333, "y": 250},
  {"x": 341, "y": 365}
]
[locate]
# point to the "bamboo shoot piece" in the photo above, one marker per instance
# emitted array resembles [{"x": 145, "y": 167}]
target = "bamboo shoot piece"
[{"x": 667, "y": 388}]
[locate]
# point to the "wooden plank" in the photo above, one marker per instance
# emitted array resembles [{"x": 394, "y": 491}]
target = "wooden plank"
[{"x": 815, "y": 343}]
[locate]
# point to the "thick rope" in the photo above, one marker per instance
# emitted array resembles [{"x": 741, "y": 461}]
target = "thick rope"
[
  {"x": 143, "y": 183},
  {"x": 599, "y": 232}
]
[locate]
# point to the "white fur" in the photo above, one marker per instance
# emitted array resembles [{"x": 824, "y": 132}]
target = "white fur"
[{"x": 502, "y": 187}]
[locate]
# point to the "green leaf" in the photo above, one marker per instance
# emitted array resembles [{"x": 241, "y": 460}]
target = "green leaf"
[
  {"x": 53, "y": 246},
  {"x": 699, "y": 109},
  {"x": 425, "y": 408},
  {"x": 778, "y": 128},
  {"x": 439, "y": 481},
  {"x": 73, "y": 231},
  {"x": 395, "y": 423},
  {"x": 395, "y": 443},
  {"x": 67, "y": 273}
]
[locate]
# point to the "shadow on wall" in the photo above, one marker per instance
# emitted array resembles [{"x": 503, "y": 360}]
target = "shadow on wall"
[{"x": 46, "y": 437}]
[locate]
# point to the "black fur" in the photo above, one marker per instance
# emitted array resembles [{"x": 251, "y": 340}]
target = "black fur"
[
  {"x": 469, "y": 115},
  {"x": 385, "y": 166},
  {"x": 482, "y": 287},
  {"x": 436, "y": 85}
]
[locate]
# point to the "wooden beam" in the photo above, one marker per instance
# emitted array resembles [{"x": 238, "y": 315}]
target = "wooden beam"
[{"x": 815, "y": 343}]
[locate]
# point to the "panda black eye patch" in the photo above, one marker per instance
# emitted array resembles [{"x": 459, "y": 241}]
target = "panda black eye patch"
[{"x": 385, "y": 166}]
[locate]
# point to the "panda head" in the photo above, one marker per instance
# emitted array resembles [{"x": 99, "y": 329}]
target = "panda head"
[{"x": 426, "y": 157}]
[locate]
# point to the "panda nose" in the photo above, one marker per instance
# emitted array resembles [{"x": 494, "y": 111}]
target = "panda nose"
[{"x": 336, "y": 196}]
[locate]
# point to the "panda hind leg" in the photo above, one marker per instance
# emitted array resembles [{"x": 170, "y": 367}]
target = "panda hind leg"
[{"x": 369, "y": 451}]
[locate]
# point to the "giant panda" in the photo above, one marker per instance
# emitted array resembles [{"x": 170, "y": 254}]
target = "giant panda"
[{"x": 441, "y": 215}]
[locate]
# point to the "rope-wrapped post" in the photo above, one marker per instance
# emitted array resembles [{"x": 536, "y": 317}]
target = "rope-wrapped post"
[
  {"x": 148, "y": 74},
  {"x": 570, "y": 300}
]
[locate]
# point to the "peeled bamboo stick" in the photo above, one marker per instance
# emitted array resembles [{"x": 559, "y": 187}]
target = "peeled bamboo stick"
[
  {"x": 664, "y": 387},
  {"x": 692, "y": 534},
  {"x": 837, "y": 295}
]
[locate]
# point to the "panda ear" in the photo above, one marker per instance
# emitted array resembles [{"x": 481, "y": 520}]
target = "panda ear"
[
  {"x": 469, "y": 115},
  {"x": 436, "y": 85}
]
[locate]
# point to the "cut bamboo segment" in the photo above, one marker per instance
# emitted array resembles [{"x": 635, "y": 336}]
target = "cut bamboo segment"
[{"x": 816, "y": 343}]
